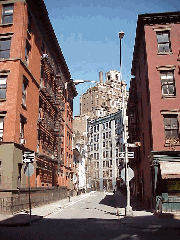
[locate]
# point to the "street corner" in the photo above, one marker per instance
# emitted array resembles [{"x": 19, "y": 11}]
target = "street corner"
[{"x": 19, "y": 220}]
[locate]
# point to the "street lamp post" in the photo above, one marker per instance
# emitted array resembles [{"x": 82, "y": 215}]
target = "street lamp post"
[
  {"x": 128, "y": 209},
  {"x": 78, "y": 81}
]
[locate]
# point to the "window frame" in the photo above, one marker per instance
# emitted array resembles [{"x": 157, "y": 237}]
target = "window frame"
[
  {"x": 7, "y": 15},
  {"x": 25, "y": 83},
  {"x": 2, "y": 118},
  {"x": 27, "y": 51},
  {"x": 170, "y": 128},
  {"x": 167, "y": 83},
  {"x": 6, "y": 50},
  {"x": 23, "y": 121},
  {"x": 5, "y": 85},
  {"x": 163, "y": 43}
]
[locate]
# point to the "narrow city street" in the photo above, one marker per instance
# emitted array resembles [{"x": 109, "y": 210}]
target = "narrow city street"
[{"x": 93, "y": 217}]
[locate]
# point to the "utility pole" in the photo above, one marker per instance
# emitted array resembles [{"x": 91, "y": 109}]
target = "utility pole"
[{"x": 128, "y": 209}]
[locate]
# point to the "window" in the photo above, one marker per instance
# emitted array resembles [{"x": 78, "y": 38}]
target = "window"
[
  {"x": 103, "y": 135},
  {"x": 7, "y": 15},
  {"x": 167, "y": 83},
  {"x": 29, "y": 22},
  {"x": 163, "y": 40},
  {"x": 2, "y": 115},
  {"x": 24, "y": 90},
  {"x": 0, "y": 172},
  {"x": 171, "y": 126},
  {"x": 27, "y": 50},
  {"x": 5, "y": 47},
  {"x": 3, "y": 86},
  {"x": 22, "y": 123},
  {"x": 19, "y": 175}
]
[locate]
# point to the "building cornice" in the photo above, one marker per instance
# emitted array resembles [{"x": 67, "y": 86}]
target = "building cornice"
[{"x": 151, "y": 19}]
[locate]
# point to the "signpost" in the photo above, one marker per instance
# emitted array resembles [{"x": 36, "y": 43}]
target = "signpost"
[
  {"x": 28, "y": 158},
  {"x": 130, "y": 174}
]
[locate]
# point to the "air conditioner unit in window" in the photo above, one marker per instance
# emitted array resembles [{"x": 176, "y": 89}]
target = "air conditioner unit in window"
[{"x": 22, "y": 141}]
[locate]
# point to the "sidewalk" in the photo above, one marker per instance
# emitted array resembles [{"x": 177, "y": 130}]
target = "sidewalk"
[
  {"x": 143, "y": 217},
  {"x": 37, "y": 213}
]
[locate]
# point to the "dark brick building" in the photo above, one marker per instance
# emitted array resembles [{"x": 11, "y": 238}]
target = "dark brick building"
[
  {"x": 153, "y": 108},
  {"x": 36, "y": 98}
]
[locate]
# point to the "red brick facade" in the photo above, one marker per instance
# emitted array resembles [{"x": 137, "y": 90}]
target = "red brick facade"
[
  {"x": 35, "y": 104},
  {"x": 153, "y": 107}
]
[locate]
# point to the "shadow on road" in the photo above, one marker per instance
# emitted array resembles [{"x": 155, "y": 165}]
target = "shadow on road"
[{"x": 93, "y": 228}]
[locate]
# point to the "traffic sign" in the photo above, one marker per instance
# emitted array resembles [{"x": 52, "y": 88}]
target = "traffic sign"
[
  {"x": 28, "y": 169},
  {"x": 28, "y": 157},
  {"x": 136, "y": 144},
  {"x": 122, "y": 154},
  {"x": 130, "y": 154},
  {"x": 130, "y": 174}
]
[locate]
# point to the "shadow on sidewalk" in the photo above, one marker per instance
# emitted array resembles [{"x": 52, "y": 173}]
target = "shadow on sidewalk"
[
  {"x": 20, "y": 220},
  {"x": 118, "y": 200}
]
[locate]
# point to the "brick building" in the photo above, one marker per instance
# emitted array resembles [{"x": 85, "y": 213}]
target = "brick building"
[
  {"x": 153, "y": 108},
  {"x": 36, "y": 98}
]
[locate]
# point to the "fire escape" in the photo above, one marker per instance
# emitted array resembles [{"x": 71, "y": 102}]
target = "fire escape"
[{"x": 50, "y": 127}]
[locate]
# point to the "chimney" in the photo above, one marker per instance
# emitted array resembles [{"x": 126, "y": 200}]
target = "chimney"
[{"x": 101, "y": 77}]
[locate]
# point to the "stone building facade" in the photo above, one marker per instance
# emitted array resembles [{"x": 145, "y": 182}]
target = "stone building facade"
[
  {"x": 101, "y": 105},
  {"x": 105, "y": 144}
]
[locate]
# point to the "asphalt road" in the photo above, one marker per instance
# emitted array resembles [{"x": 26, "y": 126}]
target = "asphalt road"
[{"x": 93, "y": 217}]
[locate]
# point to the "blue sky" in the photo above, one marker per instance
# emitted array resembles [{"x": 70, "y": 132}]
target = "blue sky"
[{"x": 87, "y": 32}]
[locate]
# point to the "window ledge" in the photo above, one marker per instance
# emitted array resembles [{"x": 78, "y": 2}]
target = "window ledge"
[
  {"x": 168, "y": 145},
  {"x": 168, "y": 97},
  {"x": 164, "y": 53},
  {"x": 3, "y": 100},
  {"x": 5, "y": 24}
]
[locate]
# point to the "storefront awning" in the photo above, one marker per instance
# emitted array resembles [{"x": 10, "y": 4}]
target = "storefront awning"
[{"x": 170, "y": 170}]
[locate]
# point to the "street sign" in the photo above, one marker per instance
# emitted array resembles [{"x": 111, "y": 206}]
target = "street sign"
[
  {"x": 28, "y": 169},
  {"x": 130, "y": 174},
  {"x": 136, "y": 144},
  {"x": 130, "y": 154},
  {"x": 28, "y": 157},
  {"x": 122, "y": 154}
]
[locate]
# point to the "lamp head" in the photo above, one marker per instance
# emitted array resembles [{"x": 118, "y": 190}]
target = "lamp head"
[{"x": 121, "y": 34}]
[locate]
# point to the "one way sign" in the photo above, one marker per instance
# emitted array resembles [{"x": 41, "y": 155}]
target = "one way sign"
[{"x": 28, "y": 157}]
